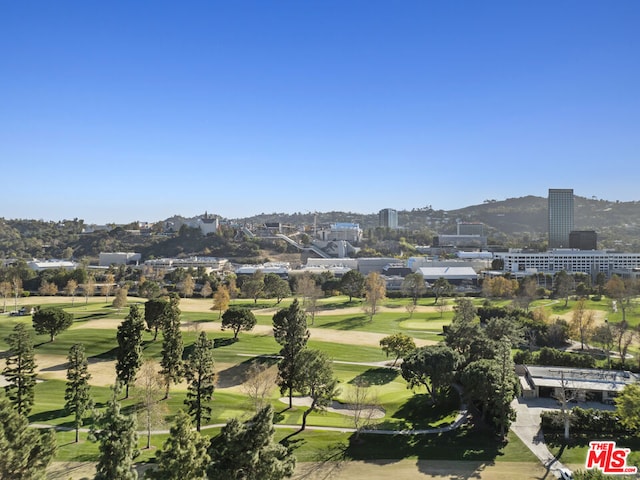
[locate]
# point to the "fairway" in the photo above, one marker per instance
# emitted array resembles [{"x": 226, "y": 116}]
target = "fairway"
[{"x": 345, "y": 334}]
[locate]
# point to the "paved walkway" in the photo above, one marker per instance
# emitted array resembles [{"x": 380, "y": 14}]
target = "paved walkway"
[{"x": 528, "y": 429}]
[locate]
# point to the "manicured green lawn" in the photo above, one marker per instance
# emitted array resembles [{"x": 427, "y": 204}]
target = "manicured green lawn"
[{"x": 404, "y": 409}]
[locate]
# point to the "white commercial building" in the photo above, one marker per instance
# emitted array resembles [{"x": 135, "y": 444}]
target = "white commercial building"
[
  {"x": 107, "y": 259},
  {"x": 590, "y": 262}
]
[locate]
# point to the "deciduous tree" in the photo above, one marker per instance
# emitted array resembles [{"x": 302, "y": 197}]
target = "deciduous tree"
[
  {"x": 581, "y": 322},
  {"x": 77, "y": 393},
  {"x": 310, "y": 292},
  {"x": 562, "y": 285},
  {"x": 51, "y": 321},
  {"x": 89, "y": 289},
  {"x": 148, "y": 394},
  {"x": 375, "y": 291},
  {"x": 206, "y": 290},
  {"x": 200, "y": 373},
  {"x": 414, "y": 287},
  {"x": 20, "y": 369},
  {"x": 5, "y": 291},
  {"x": 187, "y": 286},
  {"x": 48, "y": 288},
  {"x": 107, "y": 285},
  {"x": 441, "y": 288},
  {"x": 260, "y": 380},
  {"x": 120, "y": 300},
  {"x": 221, "y": 299},
  {"x": 70, "y": 289},
  {"x": 603, "y": 336}
]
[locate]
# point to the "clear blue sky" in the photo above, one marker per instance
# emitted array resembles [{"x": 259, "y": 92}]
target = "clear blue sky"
[{"x": 122, "y": 111}]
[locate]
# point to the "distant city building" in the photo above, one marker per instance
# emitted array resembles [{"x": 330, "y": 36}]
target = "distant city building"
[
  {"x": 583, "y": 240},
  {"x": 350, "y": 232},
  {"x": 107, "y": 259},
  {"x": 40, "y": 265},
  {"x": 560, "y": 205},
  {"x": 460, "y": 241},
  {"x": 209, "y": 264},
  {"x": 388, "y": 218},
  {"x": 590, "y": 262},
  {"x": 474, "y": 228},
  {"x": 279, "y": 268}
]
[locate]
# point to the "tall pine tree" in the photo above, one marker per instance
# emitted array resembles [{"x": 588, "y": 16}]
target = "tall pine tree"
[
  {"x": 172, "y": 345},
  {"x": 249, "y": 452},
  {"x": 25, "y": 452},
  {"x": 183, "y": 455},
  {"x": 201, "y": 376},
  {"x": 129, "y": 358},
  {"x": 290, "y": 330},
  {"x": 77, "y": 394},
  {"x": 117, "y": 437},
  {"x": 20, "y": 369}
]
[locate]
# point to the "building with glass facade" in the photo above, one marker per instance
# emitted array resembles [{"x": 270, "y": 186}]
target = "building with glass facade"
[
  {"x": 560, "y": 216},
  {"x": 388, "y": 218}
]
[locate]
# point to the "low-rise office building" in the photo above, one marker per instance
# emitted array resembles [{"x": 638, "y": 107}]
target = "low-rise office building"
[{"x": 580, "y": 384}]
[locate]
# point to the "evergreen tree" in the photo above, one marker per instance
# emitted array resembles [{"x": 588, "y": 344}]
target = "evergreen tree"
[
  {"x": 153, "y": 313},
  {"x": 249, "y": 452},
  {"x": 290, "y": 330},
  {"x": 117, "y": 437},
  {"x": 315, "y": 379},
  {"x": 77, "y": 394},
  {"x": 238, "y": 319},
  {"x": 201, "y": 377},
  {"x": 172, "y": 345},
  {"x": 51, "y": 321},
  {"x": 352, "y": 284},
  {"x": 431, "y": 366},
  {"x": 19, "y": 372},
  {"x": 183, "y": 455},
  {"x": 506, "y": 389},
  {"x": 129, "y": 358},
  {"x": 25, "y": 452}
]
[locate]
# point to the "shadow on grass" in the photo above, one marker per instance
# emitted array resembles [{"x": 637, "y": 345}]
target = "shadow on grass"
[
  {"x": 326, "y": 462},
  {"x": 375, "y": 376},
  {"x": 462, "y": 444},
  {"x": 49, "y": 415},
  {"x": 421, "y": 412},
  {"x": 223, "y": 342},
  {"x": 237, "y": 374},
  {"x": 107, "y": 355},
  {"x": 86, "y": 317},
  {"x": 350, "y": 323}
]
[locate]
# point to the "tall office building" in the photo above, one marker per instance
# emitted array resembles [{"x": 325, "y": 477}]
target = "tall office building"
[
  {"x": 560, "y": 216},
  {"x": 388, "y": 218}
]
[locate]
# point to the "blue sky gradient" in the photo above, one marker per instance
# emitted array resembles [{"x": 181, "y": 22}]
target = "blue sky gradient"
[{"x": 122, "y": 111}]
